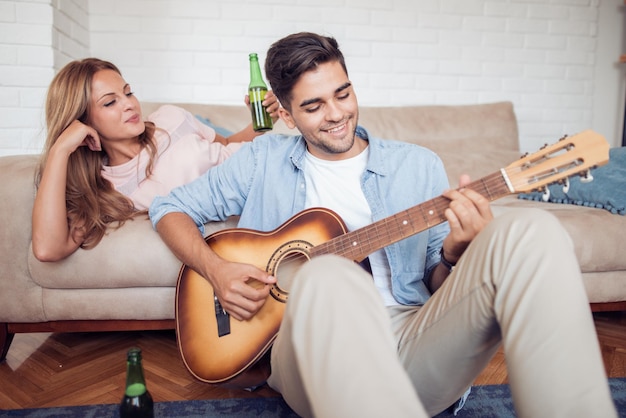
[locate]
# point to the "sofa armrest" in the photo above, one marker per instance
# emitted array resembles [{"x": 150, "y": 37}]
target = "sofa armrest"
[{"x": 19, "y": 293}]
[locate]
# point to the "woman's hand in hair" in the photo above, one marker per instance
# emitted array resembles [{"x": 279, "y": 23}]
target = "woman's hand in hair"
[{"x": 78, "y": 134}]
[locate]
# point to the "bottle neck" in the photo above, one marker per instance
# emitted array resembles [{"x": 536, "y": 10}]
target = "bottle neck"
[
  {"x": 256, "y": 78},
  {"x": 135, "y": 382}
]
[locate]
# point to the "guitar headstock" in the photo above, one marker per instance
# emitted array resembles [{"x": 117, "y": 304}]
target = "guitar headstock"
[{"x": 571, "y": 155}]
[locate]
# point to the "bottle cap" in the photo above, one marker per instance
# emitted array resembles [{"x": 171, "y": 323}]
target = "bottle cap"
[{"x": 134, "y": 353}]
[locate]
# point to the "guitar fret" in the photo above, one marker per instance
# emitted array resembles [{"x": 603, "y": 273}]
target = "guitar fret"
[
  {"x": 363, "y": 241},
  {"x": 481, "y": 187},
  {"x": 498, "y": 187},
  {"x": 432, "y": 211},
  {"x": 404, "y": 225},
  {"x": 394, "y": 226},
  {"x": 358, "y": 244},
  {"x": 328, "y": 247}
]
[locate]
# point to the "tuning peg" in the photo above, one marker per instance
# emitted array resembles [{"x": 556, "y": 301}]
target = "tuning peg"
[
  {"x": 546, "y": 194},
  {"x": 563, "y": 137},
  {"x": 586, "y": 177},
  {"x": 565, "y": 185}
]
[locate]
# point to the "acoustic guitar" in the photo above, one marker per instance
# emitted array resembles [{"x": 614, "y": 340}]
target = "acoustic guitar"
[{"x": 222, "y": 350}]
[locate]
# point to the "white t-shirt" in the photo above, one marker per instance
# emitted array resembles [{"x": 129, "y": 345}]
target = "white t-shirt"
[
  {"x": 337, "y": 185},
  {"x": 186, "y": 149}
]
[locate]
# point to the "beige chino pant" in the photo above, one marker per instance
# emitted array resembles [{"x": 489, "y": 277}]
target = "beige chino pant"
[{"x": 341, "y": 353}]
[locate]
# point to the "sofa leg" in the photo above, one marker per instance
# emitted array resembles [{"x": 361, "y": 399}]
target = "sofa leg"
[
  {"x": 608, "y": 306},
  {"x": 6, "y": 338}
]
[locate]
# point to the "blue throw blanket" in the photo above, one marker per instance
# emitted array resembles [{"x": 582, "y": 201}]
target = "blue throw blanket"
[
  {"x": 222, "y": 131},
  {"x": 606, "y": 191}
]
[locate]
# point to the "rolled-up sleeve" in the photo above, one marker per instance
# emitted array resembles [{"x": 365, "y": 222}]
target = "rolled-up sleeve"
[
  {"x": 214, "y": 196},
  {"x": 162, "y": 205}
]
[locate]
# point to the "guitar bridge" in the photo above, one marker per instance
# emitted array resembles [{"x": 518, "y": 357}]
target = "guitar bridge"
[{"x": 222, "y": 318}]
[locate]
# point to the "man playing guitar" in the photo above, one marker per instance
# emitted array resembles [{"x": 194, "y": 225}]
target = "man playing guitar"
[{"x": 409, "y": 337}]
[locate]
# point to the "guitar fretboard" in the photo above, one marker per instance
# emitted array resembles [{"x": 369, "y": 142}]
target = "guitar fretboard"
[{"x": 358, "y": 244}]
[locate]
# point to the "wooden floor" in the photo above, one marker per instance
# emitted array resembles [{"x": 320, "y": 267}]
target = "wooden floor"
[{"x": 45, "y": 370}]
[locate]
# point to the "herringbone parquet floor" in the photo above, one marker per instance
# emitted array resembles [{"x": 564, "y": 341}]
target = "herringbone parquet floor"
[{"x": 45, "y": 370}]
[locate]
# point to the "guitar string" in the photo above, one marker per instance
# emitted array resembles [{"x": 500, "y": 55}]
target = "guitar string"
[
  {"x": 392, "y": 226},
  {"x": 430, "y": 212},
  {"x": 397, "y": 225}
]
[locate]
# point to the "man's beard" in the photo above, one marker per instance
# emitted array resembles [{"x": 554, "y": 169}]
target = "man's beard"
[{"x": 338, "y": 147}]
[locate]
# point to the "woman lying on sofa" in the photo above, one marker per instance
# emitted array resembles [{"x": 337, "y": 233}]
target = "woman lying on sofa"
[{"x": 103, "y": 164}]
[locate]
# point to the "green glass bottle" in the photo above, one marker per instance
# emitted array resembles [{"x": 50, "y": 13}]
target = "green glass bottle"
[
  {"x": 261, "y": 120},
  {"x": 137, "y": 401}
]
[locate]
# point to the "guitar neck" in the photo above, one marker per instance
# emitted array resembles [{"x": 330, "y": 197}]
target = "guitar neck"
[{"x": 358, "y": 244}]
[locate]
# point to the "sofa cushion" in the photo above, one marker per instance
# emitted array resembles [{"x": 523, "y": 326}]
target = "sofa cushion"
[
  {"x": 477, "y": 164},
  {"x": 462, "y": 128},
  {"x": 595, "y": 232},
  {"x": 131, "y": 256},
  {"x": 443, "y": 128}
]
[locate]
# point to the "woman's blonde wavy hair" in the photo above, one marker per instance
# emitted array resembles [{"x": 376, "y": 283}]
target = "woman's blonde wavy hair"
[{"x": 93, "y": 204}]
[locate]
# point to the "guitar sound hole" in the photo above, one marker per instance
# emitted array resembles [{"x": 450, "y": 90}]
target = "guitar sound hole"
[{"x": 285, "y": 271}]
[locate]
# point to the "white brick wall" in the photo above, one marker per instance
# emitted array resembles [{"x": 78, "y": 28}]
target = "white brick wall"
[
  {"x": 539, "y": 54},
  {"x": 25, "y": 71},
  {"x": 36, "y": 37},
  {"x": 70, "y": 31}
]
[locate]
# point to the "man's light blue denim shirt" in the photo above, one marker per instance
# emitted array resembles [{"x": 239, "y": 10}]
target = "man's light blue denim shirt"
[{"x": 264, "y": 184}]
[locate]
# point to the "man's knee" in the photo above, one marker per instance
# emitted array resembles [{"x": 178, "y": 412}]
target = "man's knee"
[
  {"x": 539, "y": 225},
  {"x": 325, "y": 269},
  {"x": 329, "y": 274}
]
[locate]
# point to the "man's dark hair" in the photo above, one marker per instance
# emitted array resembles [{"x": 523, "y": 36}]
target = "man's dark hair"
[{"x": 290, "y": 57}]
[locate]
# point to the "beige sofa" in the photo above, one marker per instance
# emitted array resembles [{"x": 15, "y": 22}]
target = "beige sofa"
[{"x": 128, "y": 281}]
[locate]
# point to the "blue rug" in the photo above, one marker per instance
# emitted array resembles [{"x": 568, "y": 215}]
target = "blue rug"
[{"x": 484, "y": 402}]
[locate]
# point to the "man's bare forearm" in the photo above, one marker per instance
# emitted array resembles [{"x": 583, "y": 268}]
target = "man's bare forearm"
[
  {"x": 184, "y": 239},
  {"x": 230, "y": 280}
]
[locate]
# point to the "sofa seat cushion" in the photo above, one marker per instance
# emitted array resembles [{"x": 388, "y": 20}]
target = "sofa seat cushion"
[
  {"x": 476, "y": 165},
  {"x": 131, "y": 256},
  {"x": 114, "y": 262},
  {"x": 595, "y": 232}
]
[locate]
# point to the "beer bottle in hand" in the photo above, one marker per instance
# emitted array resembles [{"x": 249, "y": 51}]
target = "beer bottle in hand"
[
  {"x": 261, "y": 120},
  {"x": 137, "y": 402}
]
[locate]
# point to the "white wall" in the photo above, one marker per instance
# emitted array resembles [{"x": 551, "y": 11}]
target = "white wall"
[
  {"x": 37, "y": 37},
  {"x": 26, "y": 67},
  {"x": 610, "y": 75},
  {"x": 70, "y": 31},
  {"x": 543, "y": 55}
]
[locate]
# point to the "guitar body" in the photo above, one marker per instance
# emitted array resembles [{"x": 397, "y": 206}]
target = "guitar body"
[{"x": 216, "y": 359}]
